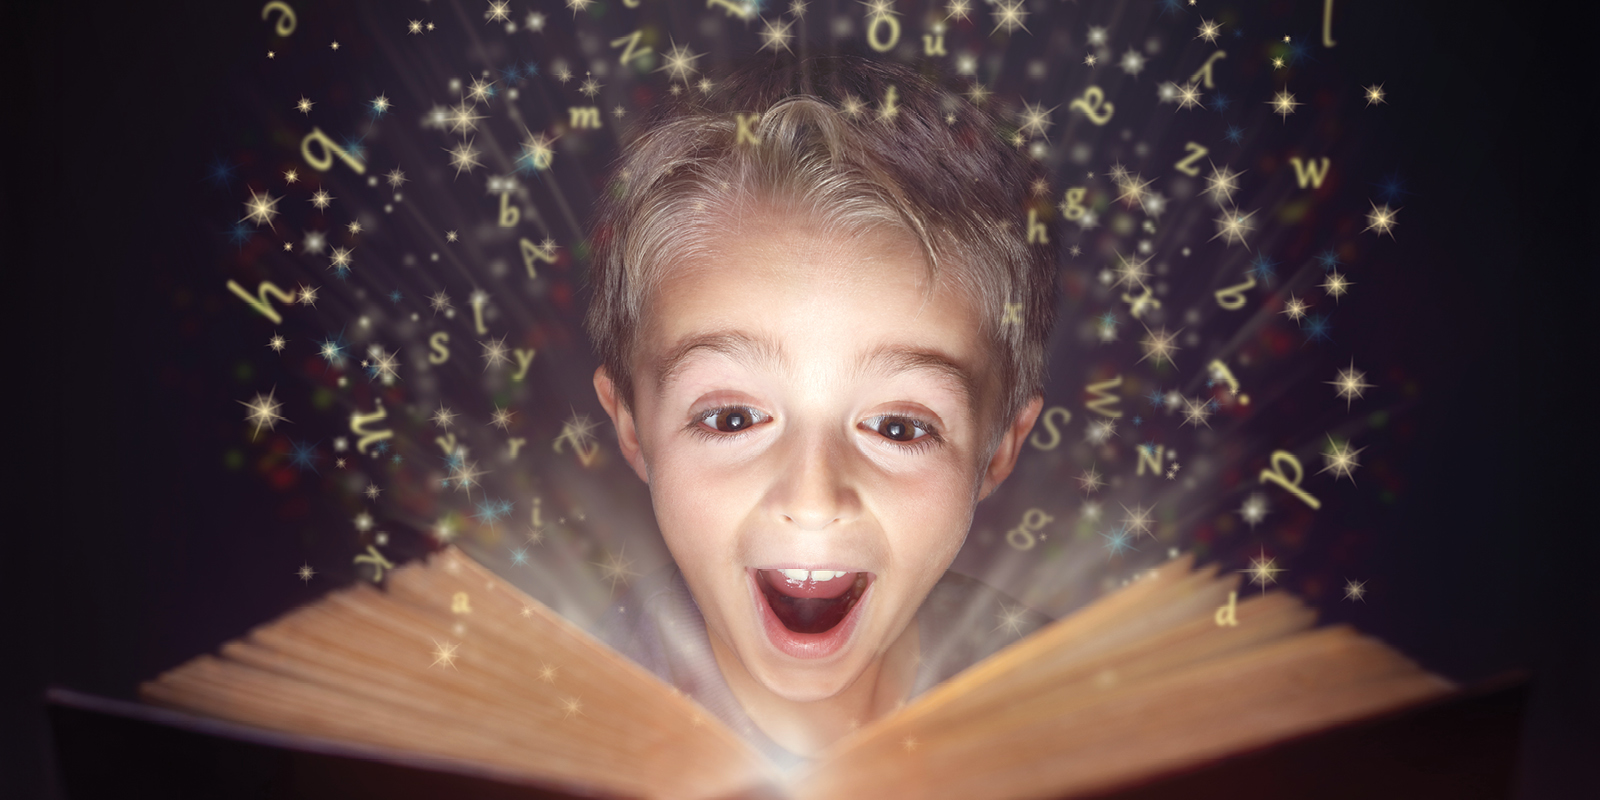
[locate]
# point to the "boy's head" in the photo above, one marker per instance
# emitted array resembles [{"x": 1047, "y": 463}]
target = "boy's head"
[{"x": 822, "y": 336}]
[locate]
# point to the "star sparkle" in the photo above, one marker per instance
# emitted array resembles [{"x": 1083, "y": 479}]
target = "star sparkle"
[
  {"x": 494, "y": 352},
  {"x": 444, "y": 653},
  {"x": 1381, "y": 219},
  {"x": 1340, "y": 459},
  {"x": 1336, "y": 285},
  {"x": 1159, "y": 346},
  {"x": 501, "y": 418},
  {"x": 305, "y": 573},
  {"x": 1232, "y": 226},
  {"x": 776, "y": 36},
  {"x": 1254, "y": 509},
  {"x": 1294, "y": 308},
  {"x": 1283, "y": 103},
  {"x": 261, "y": 208},
  {"x": 1208, "y": 31},
  {"x": 1009, "y": 14},
  {"x": 679, "y": 63},
  {"x": 1351, "y": 384},
  {"x": 263, "y": 411},
  {"x": 464, "y": 157},
  {"x": 1355, "y": 590},
  {"x": 1263, "y": 571},
  {"x": 1090, "y": 480},
  {"x": 1374, "y": 94}
]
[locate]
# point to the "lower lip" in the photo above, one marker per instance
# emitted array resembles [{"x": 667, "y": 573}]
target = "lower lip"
[{"x": 809, "y": 646}]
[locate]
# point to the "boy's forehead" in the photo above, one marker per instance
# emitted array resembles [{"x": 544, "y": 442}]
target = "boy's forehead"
[{"x": 761, "y": 350}]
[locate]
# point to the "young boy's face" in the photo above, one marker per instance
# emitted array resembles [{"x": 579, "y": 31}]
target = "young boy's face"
[{"x": 803, "y": 405}]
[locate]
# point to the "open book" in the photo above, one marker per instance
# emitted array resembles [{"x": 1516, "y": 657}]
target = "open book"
[{"x": 452, "y": 667}]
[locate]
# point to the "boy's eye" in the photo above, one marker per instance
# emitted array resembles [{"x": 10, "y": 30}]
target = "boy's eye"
[
  {"x": 899, "y": 429},
  {"x": 733, "y": 419}
]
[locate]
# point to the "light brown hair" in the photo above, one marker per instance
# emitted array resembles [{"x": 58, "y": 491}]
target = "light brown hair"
[{"x": 852, "y": 145}]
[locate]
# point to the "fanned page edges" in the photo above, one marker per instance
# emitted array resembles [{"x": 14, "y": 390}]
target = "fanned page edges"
[
  {"x": 498, "y": 680},
  {"x": 1141, "y": 682}
]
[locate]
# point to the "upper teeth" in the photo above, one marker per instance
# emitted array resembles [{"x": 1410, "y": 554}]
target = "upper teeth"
[{"x": 812, "y": 575}]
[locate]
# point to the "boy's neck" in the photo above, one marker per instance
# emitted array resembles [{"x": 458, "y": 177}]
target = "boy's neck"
[{"x": 805, "y": 728}]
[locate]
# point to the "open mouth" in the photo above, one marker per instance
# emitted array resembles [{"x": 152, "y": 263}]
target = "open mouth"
[{"x": 807, "y": 613}]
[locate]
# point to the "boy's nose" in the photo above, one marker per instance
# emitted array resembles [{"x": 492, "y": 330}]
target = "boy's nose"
[{"x": 813, "y": 491}]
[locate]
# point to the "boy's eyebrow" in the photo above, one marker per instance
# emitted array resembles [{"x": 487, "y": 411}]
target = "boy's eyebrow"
[
  {"x": 888, "y": 359},
  {"x": 736, "y": 345}
]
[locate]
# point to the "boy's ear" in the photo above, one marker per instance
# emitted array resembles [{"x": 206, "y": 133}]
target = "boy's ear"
[
  {"x": 627, "y": 434},
  {"x": 1005, "y": 454}
]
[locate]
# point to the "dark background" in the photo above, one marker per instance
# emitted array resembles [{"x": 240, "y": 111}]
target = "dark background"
[{"x": 128, "y": 539}]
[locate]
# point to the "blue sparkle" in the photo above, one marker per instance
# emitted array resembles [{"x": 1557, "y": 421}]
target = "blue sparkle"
[
  {"x": 492, "y": 511},
  {"x": 240, "y": 233},
  {"x": 1264, "y": 269},
  {"x": 1212, "y": 405},
  {"x": 1117, "y": 541},
  {"x": 1327, "y": 259},
  {"x": 1108, "y": 320},
  {"x": 519, "y": 555},
  {"x": 1220, "y": 102},
  {"x": 1148, "y": 447},
  {"x": 531, "y": 69},
  {"x": 1137, "y": 420},
  {"x": 1298, "y": 50},
  {"x": 382, "y": 447},
  {"x": 222, "y": 172},
  {"x": 1317, "y": 328},
  {"x": 303, "y": 456},
  {"x": 394, "y": 296},
  {"x": 376, "y": 109},
  {"x": 1234, "y": 134},
  {"x": 1392, "y": 187},
  {"x": 332, "y": 347},
  {"x": 454, "y": 460},
  {"x": 1155, "y": 397},
  {"x": 355, "y": 148},
  {"x": 512, "y": 74},
  {"x": 1171, "y": 7},
  {"x": 396, "y": 459}
]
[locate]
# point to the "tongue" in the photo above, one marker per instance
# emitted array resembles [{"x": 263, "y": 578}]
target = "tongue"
[{"x": 811, "y": 606}]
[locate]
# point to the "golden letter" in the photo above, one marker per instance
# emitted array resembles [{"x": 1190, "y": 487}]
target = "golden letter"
[
  {"x": 632, "y": 50},
  {"x": 477, "y": 312},
  {"x": 1232, "y": 297},
  {"x": 531, "y": 253},
  {"x": 460, "y": 603},
  {"x": 1150, "y": 456},
  {"x": 447, "y": 443},
  {"x": 1021, "y": 537},
  {"x": 440, "y": 353},
  {"x": 378, "y": 562},
  {"x": 1221, "y": 372},
  {"x": 745, "y": 121},
  {"x": 260, "y": 301},
  {"x": 1196, "y": 152},
  {"x": 742, "y": 12},
  {"x": 583, "y": 117},
  {"x": 1225, "y": 613},
  {"x": 1138, "y": 303},
  {"x": 285, "y": 22},
  {"x": 1310, "y": 172},
  {"x": 1327, "y": 23},
  {"x": 1205, "y": 69},
  {"x": 1072, "y": 203},
  {"x": 516, "y": 444},
  {"x": 933, "y": 44},
  {"x": 324, "y": 160},
  {"x": 524, "y": 358},
  {"x": 1013, "y": 315},
  {"x": 1055, "y": 434},
  {"x": 875, "y": 40},
  {"x": 534, "y": 519},
  {"x": 1103, "y": 398},
  {"x": 1280, "y": 459},
  {"x": 358, "y": 426},
  {"x": 888, "y": 109},
  {"x": 509, "y": 214},
  {"x": 1094, "y": 106},
  {"x": 1036, "y": 229}
]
